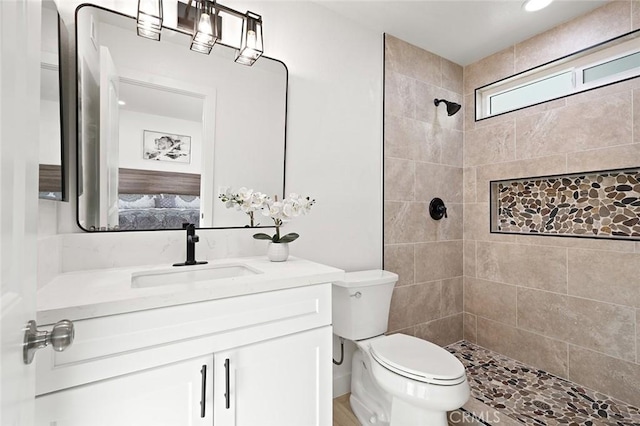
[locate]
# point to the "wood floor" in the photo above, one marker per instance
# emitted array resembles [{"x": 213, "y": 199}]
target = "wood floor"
[{"x": 342, "y": 414}]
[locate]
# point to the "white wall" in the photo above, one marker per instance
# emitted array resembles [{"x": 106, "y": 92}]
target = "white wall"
[
  {"x": 132, "y": 126},
  {"x": 334, "y": 148},
  {"x": 49, "y": 147}
]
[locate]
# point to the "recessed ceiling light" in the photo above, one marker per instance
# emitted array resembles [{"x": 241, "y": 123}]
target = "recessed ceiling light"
[
  {"x": 122, "y": 103},
  {"x": 533, "y": 5}
]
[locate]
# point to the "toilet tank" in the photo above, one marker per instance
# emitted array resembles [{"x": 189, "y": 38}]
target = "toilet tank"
[{"x": 361, "y": 303}]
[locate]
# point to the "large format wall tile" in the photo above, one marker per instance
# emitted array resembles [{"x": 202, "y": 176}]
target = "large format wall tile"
[
  {"x": 445, "y": 229},
  {"x": 403, "y": 136},
  {"x": 490, "y": 300},
  {"x": 599, "y": 326},
  {"x": 414, "y": 304},
  {"x": 452, "y": 146},
  {"x": 399, "y": 95},
  {"x": 412, "y": 61},
  {"x": 470, "y": 331},
  {"x": 605, "y": 275},
  {"x": 529, "y": 266},
  {"x": 442, "y": 331},
  {"x": 400, "y": 182},
  {"x": 403, "y": 222},
  {"x": 490, "y": 69},
  {"x": 586, "y": 243},
  {"x": 435, "y": 180},
  {"x": 438, "y": 260},
  {"x": 399, "y": 259},
  {"x": 545, "y": 353},
  {"x": 469, "y": 260},
  {"x": 592, "y": 28},
  {"x": 476, "y": 224},
  {"x": 579, "y": 127},
  {"x": 609, "y": 375},
  {"x": 427, "y": 111},
  {"x": 555, "y": 164},
  {"x": 451, "y": 302},
  {"x": 494, "y": 144},
  {"x": 420, "y": 137},
  {"x": 452, "y": 76},
  {"x": 469, "y": 185},
  {"x": 615, "y": 157}
]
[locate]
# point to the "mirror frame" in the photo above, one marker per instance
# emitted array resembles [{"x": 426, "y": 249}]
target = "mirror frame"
[
  {"x": 64, "y": 169},
  {"x": 635, "y": 34},
  {"x": 79, "y": 139}
]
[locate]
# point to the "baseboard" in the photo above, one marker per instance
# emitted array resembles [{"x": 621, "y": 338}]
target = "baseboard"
[{"x": 341, "y": 385}]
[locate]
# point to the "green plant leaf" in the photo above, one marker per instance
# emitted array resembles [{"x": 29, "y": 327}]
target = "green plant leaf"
[
  {"x": 261, "y": 236},
  {"x": 289, "y": 238}
]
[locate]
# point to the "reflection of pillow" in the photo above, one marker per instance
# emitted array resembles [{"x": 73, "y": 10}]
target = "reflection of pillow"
[
  {"x": 166, "y": 201},
  {"x": 136, "y": 201},
  {"x": 187, "y": 201}
]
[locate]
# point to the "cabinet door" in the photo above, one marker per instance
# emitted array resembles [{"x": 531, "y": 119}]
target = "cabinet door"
[
  {"x": 279, "y": 382},
  {"x": 170, "y": 395}
]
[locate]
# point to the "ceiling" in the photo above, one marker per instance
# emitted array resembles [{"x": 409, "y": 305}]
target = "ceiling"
[{"x": 461, "y": 31}]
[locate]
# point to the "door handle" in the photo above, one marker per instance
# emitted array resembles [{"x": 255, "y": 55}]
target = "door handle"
[
  {"x": 203, "y": 392},
  {"x": 227, "y": 394},
  {"x": 60, "y": 338}
]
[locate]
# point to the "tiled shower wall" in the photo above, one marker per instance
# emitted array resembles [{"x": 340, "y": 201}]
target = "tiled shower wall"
[
  {"x": 423, "y": 160},
  {"x": 567, "y": 305}
]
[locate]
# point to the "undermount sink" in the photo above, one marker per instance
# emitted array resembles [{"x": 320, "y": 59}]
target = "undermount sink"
[{"x": 189, "y": 275}]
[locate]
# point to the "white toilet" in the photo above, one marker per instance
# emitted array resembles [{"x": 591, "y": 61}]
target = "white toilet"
[{"x": 396, "y": 380}]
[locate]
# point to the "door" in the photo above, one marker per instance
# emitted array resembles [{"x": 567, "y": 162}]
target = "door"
[
  {"x": 19, "y": 134},
  {"x": 279, "y": 382},
  {"x": 109, "y": 139},
  {"x": 170, "y": 395}
]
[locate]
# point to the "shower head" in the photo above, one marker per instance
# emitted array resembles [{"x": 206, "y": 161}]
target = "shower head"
[{"x": 452, "y": 107}]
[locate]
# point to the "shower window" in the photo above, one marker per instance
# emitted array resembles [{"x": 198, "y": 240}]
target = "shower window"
[{"x": 607, "y": 63}]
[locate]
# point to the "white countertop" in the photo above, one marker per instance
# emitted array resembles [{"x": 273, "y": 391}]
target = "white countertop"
[{"x": 101, "y": 292}]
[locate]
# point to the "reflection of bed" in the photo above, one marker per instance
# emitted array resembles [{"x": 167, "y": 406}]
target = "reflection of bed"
[{"x": 157, "y": 200}]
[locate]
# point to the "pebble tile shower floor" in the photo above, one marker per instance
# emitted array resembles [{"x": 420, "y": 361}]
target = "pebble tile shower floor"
[{"x": 535, "y": 397}]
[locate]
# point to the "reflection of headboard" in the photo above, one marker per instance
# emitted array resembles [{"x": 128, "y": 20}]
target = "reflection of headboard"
[
  {"x": 50, "y": 178},
  {"x": 136, "y": 181}
]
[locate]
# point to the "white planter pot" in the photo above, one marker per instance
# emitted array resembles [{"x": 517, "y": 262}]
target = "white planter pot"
[{"x": 278, "y": 252}]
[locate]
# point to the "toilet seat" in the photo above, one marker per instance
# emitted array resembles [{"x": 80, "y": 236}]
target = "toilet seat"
[{"x": 417, "y": 359}]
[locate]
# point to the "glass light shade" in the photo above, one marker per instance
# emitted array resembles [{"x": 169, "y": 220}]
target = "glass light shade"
[
  {"x": 251, "y": 45},
  {"x": 150, "y": 19},
  {"x": 206, "y": 28}
]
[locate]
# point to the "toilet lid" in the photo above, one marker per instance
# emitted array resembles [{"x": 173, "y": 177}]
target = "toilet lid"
[{"x": 417, "y": 359}]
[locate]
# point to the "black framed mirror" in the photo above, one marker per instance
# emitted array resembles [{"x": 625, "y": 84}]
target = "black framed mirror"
[
  {"x": 51, "y": 181},
  {"x": 162, "y": 130}
]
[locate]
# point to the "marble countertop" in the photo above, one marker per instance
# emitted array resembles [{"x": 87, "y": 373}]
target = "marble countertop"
[{"x": 101, "y": 292}]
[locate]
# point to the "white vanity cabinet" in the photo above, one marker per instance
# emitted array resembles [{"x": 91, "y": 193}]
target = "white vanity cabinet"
[
  {"x": 267, "y": 359},
  {"x": 164, "y": 396},
  {"x": 277, "y": 382}
]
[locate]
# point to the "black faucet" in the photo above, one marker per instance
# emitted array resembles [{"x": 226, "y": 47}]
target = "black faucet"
[{"x": 192, "y": 239}]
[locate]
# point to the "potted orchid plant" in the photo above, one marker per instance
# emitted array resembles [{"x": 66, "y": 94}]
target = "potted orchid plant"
[{"x": 280, "y": 212}]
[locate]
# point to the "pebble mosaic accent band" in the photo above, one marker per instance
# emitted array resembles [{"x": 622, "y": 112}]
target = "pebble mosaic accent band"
[
  {"x": 535, "y": 397},
  {"x": 599, "y": 204}
]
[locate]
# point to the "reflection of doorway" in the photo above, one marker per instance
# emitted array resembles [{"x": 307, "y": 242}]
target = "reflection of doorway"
[
  {"x": 109, "y": 146},
  {"x": 172, "y": 108}
]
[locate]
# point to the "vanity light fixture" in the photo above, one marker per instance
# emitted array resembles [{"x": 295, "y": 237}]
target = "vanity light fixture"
[
  {"x": 149, "y": 19},
  {"x": 534, "y": 5},
  {"x": 206, "y": 30},
  {"x": 251, "y": 44}
]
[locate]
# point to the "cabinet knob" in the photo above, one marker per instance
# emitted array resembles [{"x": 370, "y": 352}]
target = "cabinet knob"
[{"x": 60, "y": 338}]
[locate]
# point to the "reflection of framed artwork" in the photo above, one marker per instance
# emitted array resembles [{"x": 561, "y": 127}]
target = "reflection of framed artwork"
[{"x": 166, "y": 147}]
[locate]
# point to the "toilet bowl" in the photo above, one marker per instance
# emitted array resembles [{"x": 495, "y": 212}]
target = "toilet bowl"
[{"x": 396, "y": 380}]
